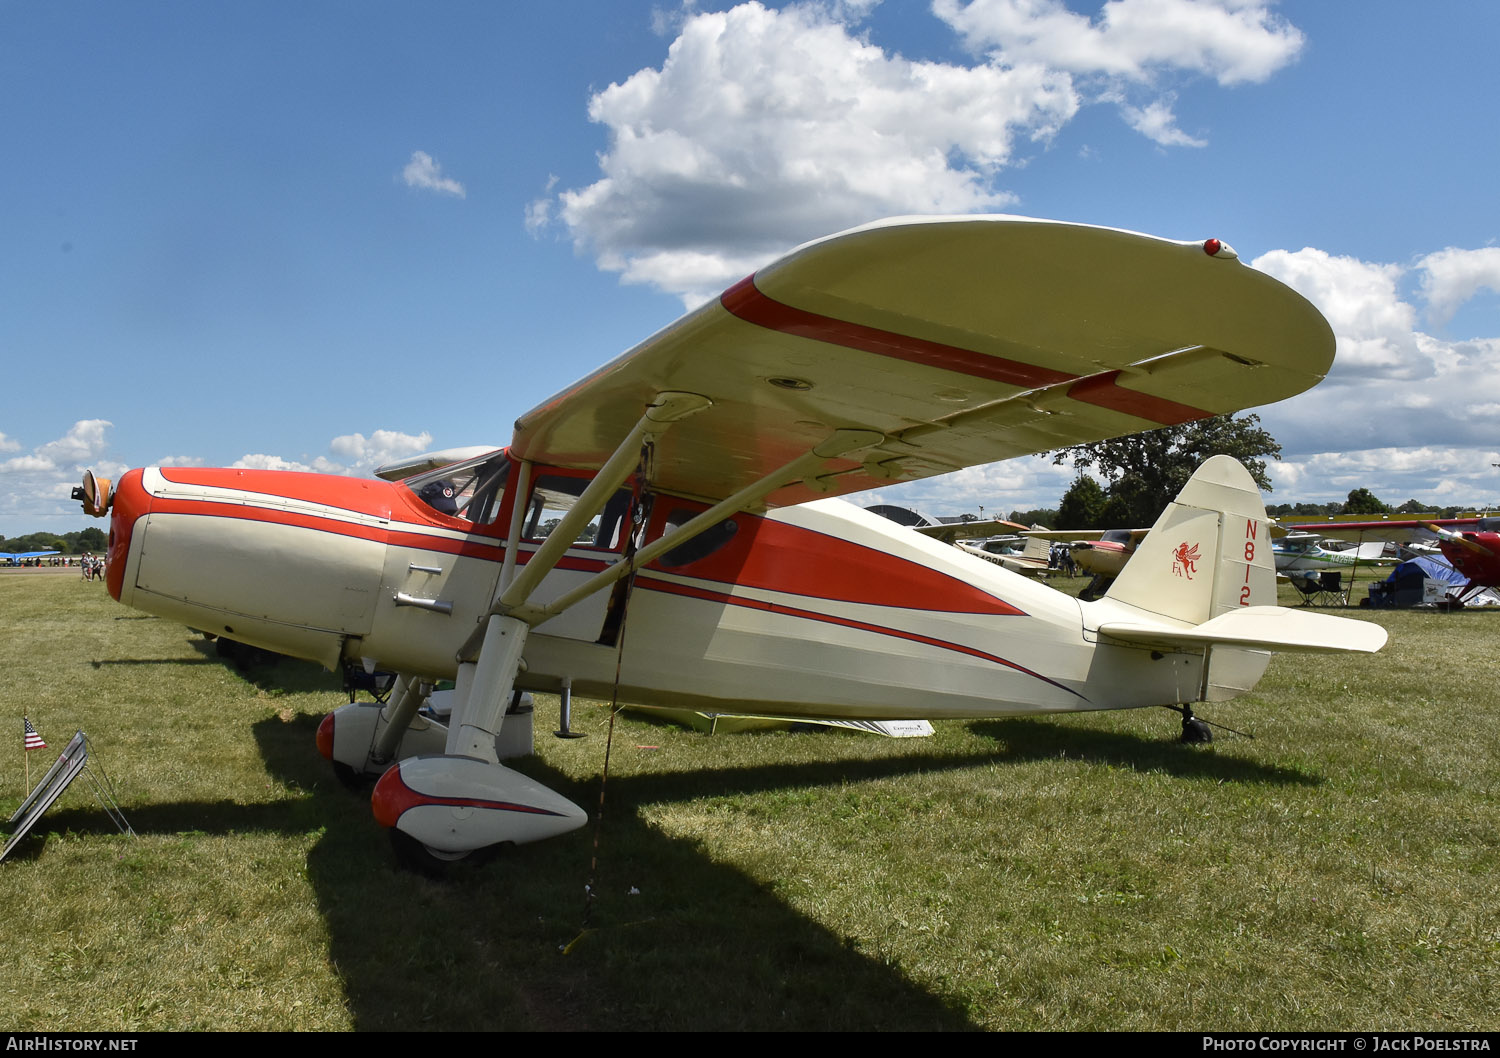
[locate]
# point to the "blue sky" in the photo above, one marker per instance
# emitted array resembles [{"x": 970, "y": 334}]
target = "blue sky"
[{"x": 322, "y": 235}]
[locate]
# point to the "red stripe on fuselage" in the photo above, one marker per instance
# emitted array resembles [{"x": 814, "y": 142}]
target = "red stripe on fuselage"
[
  {"x": 765, "y": 554},
  {"x": 774, "y": 556},
  {"x": 249, "y": 513},
  {"x": 781, "y": 609},
  {"x": 357, "y": 495}
]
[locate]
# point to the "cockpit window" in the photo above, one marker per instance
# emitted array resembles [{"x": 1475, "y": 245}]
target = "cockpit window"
[{"x": 471, "y": 490}]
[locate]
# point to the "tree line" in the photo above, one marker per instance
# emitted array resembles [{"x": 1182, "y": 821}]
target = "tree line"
[
  {"x": 1143, "y": 472},
  {"x": 90, "y": 539}
]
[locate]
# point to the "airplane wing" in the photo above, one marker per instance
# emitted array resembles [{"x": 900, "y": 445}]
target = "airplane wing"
[
  {"x": 1071, "y": 536},
  {"x": 948, "y": 532},
  {"x": 1401, "y": 531},
  {"x": 1026, "y": 565},
  {"x": 959, "y": 340}
]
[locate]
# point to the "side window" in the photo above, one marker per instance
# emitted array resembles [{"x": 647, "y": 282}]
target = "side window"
[
  {"x": 554, "y": 496},
  {"x": 700, "y": 546}
]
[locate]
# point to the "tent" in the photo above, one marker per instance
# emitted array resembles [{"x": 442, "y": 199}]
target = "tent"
[{"x": 1417, "y": 581}]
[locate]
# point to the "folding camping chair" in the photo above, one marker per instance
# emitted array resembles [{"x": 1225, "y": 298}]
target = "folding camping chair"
[{"x": 1320, "y": 587}]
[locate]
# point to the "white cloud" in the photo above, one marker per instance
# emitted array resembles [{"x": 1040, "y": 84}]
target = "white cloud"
[
  {"x": 765, "y": 128},
  {"x": 84, "y": 441},
  {"x": 1016, "y": 484},
  {"x": 1232, "y": 41},
  {"x": 263, "y": 461},
  {"x": 539, "y": 212},
  {"x": 1403, "y": 413},
  {"x": 357, "y": 455},
  {"x": 1406, "y": 414},
  {"x": 425, "y": 173},
  {"x": 1452, "y": 276},
  {"x": 35, "y": 486},
  {"x": 1158, "y": 123},
  {"x": 382, "y": 446},
  {"x": 1435, "y": 475},
  {"x": 1375, "y": 328},
  {"x": 1130, "y": 45}
]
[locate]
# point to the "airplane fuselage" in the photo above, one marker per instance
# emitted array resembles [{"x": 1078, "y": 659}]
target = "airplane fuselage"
[
  {"x": 818, "y": 609},
  {"x": 1476, "y": 557},
  {"x": 1304, "y": 556}
]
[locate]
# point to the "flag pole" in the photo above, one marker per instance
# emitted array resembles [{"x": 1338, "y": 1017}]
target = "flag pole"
[{"x": 30, "y": 740}]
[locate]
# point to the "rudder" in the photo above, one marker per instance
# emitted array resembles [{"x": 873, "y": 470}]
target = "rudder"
[{"x": 1208, "y": 553}]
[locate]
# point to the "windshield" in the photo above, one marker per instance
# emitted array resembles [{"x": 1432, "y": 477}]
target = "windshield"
[{"x": 471, "y": 489}]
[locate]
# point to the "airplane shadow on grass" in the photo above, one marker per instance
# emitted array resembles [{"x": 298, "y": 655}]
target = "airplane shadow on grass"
[
  {"x": 263, "y": 669},
  {"x": 1027, "y": 739},
  {"x": 704, "y": 946}
]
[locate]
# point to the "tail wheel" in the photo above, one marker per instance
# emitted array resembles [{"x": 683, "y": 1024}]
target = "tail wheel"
[{"x": 1196, "y": 731}]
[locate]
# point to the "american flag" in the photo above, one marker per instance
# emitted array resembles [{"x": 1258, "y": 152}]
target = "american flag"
[{"x": 33, "y": 740}]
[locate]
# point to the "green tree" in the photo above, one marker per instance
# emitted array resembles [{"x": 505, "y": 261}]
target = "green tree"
[
  {"x": 1363, "y": 501},
  {"x": 1082, "y": 505},
  {"x": 1039, "y": 516},
  {"x": 90, "y": 539},
  {"x": 1145, "y": 471}
]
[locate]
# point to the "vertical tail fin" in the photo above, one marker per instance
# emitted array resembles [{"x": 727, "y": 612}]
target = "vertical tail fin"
[
  {"x": 1207, "y": 562},
  {"x": 1208, "y": 553}
]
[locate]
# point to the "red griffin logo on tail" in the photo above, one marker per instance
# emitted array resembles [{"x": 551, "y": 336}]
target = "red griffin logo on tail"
[{"x": 1185, "y": 560}]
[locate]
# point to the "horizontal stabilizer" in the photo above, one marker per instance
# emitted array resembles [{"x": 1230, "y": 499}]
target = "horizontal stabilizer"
[{"x": 1259, "y": 628}]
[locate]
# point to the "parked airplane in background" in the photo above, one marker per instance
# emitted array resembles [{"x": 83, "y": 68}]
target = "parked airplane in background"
[
  {"x": 992, "y": 539},
  {"x": 666, "y": 529},
  {"x": 15, "y": 558},
  {"x": 1300, "y": 550},
  {"x": 1021, "y": 552},
  {"x": 1471, "y": 545}
]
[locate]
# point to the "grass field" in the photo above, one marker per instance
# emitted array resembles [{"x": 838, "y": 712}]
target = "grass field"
[{"x": 1337, "y": 871}]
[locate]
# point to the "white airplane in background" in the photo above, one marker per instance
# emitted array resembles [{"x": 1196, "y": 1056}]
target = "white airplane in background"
[
  {"x": 667, "y": 530},
  {"x": 992, "y": 535},
  {"x": 1296, "y": 552}
]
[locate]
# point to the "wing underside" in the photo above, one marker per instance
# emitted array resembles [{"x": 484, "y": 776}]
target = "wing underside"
[{"x": 960, "y": 341}]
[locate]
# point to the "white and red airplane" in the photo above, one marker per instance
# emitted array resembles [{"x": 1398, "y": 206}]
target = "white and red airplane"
[{"x": 666, "y": 528}]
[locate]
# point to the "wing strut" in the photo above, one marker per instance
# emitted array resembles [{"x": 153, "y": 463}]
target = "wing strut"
[
  {"x": 839, "y": 443},
  {"x": 435, "y": 800},
  {"x": 665, "y": 410},
  {"x": 484, "y": 687}
]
